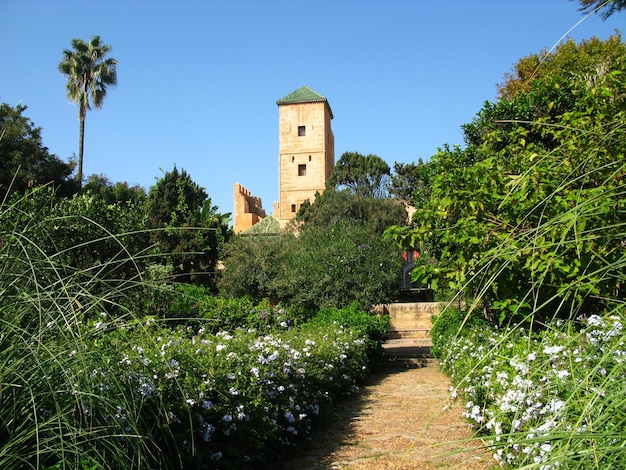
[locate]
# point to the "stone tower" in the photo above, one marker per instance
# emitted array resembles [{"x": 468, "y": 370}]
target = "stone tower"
[{"x": 306, "y": 150}]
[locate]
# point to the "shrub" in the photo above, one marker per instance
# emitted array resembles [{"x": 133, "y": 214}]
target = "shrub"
[{"x": 552, "y": 398}]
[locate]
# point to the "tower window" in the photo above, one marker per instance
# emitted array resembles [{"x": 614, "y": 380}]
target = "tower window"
[
  {"x": 301, "y": 131},
  {"x": 301, "y": 170},
  {"x": 293, "y": 208}
]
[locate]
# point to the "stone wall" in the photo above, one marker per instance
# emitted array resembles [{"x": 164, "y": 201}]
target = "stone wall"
[{"x": 247, "y": 209}]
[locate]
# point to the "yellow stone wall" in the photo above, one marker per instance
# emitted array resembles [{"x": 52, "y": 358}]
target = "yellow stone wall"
[
  {"x": 247, "y": 209},
  {"x": 314, "y": 152}
]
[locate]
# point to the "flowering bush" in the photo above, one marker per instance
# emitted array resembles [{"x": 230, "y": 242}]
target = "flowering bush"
[
  {"x": 548, "y": 399},
  {"x": 232, "y": 398}
]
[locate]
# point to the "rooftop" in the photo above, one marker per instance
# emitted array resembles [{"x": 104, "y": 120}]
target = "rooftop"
[{"x": 304, "y": 95}]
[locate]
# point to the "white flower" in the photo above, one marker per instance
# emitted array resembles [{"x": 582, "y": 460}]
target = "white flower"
[
  {"x": 595, "y": 320},
  {"x": 551, "y": 350},
  {"x": 562, "y": 373}
]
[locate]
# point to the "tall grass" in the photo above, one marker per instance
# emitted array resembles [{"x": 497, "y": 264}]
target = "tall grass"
[{"x": 54, "y": 411}]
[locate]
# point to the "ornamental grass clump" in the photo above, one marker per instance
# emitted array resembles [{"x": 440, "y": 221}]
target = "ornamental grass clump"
[{"x": 54, "y": 409}]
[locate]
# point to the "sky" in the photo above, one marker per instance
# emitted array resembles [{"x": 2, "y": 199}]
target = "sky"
[{"x": 198, "y": 80}]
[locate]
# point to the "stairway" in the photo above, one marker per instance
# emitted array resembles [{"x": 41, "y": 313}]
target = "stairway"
[{"x": 408, "y": 341}]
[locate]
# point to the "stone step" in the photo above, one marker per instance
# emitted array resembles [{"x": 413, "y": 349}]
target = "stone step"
[
  {"x": 409, "y": 319},
  {"x": 407, "y": 354},
  {"x": 416, "y": 333}
]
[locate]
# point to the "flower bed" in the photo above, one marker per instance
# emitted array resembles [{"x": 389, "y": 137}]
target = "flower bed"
[
  {"x": 548, "y": 399},
  {"x": 230, "y": 399}
]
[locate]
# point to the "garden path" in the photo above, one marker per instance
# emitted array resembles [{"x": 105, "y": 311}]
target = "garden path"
[{"x": 402, "y": 419}]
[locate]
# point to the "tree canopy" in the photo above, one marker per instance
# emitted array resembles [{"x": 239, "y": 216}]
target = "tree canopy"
[
  {"x": 604, "y": 7},
  {"x": 522, "y": 205},
  {"x": 336, "y": 255},
  {"x": 361, "y": 175},
  {"x": 26, "y": 162},
  {"x": 187, "y": 229}
]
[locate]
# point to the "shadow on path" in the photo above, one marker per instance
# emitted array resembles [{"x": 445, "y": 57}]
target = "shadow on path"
[{"x": 401, "y": 419}]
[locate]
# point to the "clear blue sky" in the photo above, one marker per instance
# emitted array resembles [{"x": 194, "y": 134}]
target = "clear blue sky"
[{"x": 198, "y": 80}]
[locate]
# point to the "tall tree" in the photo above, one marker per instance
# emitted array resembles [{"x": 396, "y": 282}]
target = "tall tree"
[
  {"x": 188, "y": 230},
  {"x": 25, "y": 162},
  {"x": 88, "y": 75},
  {"x": 362, "y": 175}
]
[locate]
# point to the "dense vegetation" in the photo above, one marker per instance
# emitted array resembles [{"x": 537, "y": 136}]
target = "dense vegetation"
[
  {"x": 527, "y": 223},
  {"x": 125, "y": 346},
  {"x": 528, "y": 217}
]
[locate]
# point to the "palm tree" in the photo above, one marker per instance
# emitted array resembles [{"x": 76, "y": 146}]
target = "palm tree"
[{"x": 88, "y": 74}]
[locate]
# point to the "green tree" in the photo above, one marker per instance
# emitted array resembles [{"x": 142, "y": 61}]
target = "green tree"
[
  {"x": 362, "y": 175},
  {"x": 26, "y": 162},
  {"x": 333, "y": 266},
  {"x": 585, "y": 60},
  {"x": 254, "y": 266},
  {"x": 522, "y": 205},
  {"x": 411, "y": 182},
  {"x": 332, "y": 207},
  {"x": 88, "y": 74},
  {"x": 335, "y": 255},
  {"x": 111, "y": 193},
  {"x": 187, "y": 229}
]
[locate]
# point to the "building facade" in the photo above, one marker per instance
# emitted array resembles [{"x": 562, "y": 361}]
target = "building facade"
[
  {"x": 306, "y": 150},
  {"x": 306, "y": 158}
]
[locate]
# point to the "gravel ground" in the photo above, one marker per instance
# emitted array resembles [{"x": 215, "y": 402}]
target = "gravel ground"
[{"x": 398, "y": 421}]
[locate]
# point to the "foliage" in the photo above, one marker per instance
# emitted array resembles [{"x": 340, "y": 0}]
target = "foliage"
[
  {"x": 411, "y": 182},
  {"x": 187, "y": 229},
  {"x": 335, "y": 207},
  {"x": 52, "y": 406},
  {"x": 254, "y": 266},
  {"x": 338, "y": 256},
  {"x": 81, "y": 388},
  {"x": 84, "y": 238},
  {"x": 448, "y": 324},
  {"x": 362, "y": 175},
  {"x": 571, "y": 62},
  {"x": 529, "y": 216},
  {"x": 333, "y": 266},
  {"x": 26, "y": 162},
  {"x": 112, "y": 193},
  {"x": 607, "y": 7},
  {"x": 193, "y": 305},
  {"x": 88, "y": 76},
  {"x": 352, "y": 316},
  {"x": 550, "y": 398},
  {"x": 233, "y": 399}
]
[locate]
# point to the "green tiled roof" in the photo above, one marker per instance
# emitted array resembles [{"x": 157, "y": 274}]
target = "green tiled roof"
[
  {"x": 268, "y": 226},
  {"x": 304, "y": 95}
]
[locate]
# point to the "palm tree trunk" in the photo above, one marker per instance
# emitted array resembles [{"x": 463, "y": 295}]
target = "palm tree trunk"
[{"x": 81, "y": 142}]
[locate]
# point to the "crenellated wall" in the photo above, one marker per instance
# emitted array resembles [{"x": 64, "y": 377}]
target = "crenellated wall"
[{"x": 247, "y": 209}]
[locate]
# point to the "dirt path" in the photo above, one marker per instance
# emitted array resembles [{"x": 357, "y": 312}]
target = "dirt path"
[{"x": 397, "y": 422}]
